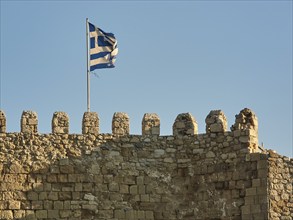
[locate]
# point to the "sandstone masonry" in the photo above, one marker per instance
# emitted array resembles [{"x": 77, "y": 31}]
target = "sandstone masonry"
[{"x": 217, "y": 175}]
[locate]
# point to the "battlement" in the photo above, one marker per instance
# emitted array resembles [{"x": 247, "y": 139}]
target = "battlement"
[
  {"x": 184, "y": 125},
  {"x": 220, "y": 174}
]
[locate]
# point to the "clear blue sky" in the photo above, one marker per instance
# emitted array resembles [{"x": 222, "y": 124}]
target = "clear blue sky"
[{"x": 174, "y": 57}]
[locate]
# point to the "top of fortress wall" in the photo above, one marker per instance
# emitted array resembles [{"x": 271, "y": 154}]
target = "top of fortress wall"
[{"x": 184, "y": 124}]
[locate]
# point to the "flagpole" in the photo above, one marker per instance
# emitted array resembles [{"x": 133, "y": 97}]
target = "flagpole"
[{"x": 87, "y": 66}]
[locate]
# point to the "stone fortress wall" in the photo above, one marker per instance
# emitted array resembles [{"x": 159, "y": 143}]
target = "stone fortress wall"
[{"x": 221, "y": 174}]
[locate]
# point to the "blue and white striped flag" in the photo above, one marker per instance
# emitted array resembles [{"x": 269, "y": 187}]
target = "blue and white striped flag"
[{"x": 103, "y": 48}]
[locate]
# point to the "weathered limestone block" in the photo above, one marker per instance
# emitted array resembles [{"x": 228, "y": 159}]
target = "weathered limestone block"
[
  {"x": 90, "y": 123},
  {"x": 216, "y": 122},
  {"x": 185, "y": 124},
  {"x": 29, "y": 122},
  {"x": 6, "y": 214},
  {"x": 2, "y": 122},
  {"x": 120, "y": 124},
  {"x": 60, "y": 123},
  {"x": 245, "y": 120},
  {"x": 246, "y": 127},
  {"x": 151, "y": 124}
]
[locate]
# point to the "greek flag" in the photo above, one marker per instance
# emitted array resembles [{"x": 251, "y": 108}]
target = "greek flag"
[{"x": 103, "y": 48}]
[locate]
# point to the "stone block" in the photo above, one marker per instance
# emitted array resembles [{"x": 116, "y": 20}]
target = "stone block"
[
  {"x": 245, "y": 209},
  {"x": 235, "y": 194},
  {"x": 120, "y": 124},
  {"x": 87, "y": 187},
  {"x": 18, "y": 214},
  {"x": 250, "y": 200},
  {"x": 216, "y": 128},
  {"x": 90, "y": 207},
  {"x": 6, "y": 214},
  {"x": 37, "y": 205},
  {"x": 113, "y": 187},
  {"x": 244, "y": 139},
  {"x": 158, "y": 153},
  {"x": 29, "y": 122},
  {"x": 32, "y": 121},
  {"x": 185, "y": 124},
  {"x": 63, "y": 161},
  {"x": 210, "y": 154},
  {"x": 64, "y": 196},
  {"x": 95, "y": 169},
  {"x": 262, "y": 190},
  {"x": 256, "y": 182},
  {"x": 130, "y": 180},
  {"x": 65, "y": 213},
  {"x": 140, "y": 214},
  {"x": 255, "y": 208},
  {"x": 262, "y": 199},
  {"x": 32, "y": 195},
  {"x": 131, "y": 214},
  {"x": 262, "y": 164},
  {"x": 237, "y": 133},
  {"x": 66, "y": 204},
  {"x": 2, "y": 122},
  {"x": 150, "y": 124},
  {"x": 251, "y": 192},
  {"x": 140, "y": 180},
  {"x": 149, "y": 215},
  {"x": 169, "y": 160},
  {"x": 262, "y": 173},
  {"x": 53, "y": 195},
  {"x": 105, "y": 214},
  {"x": 133, "y": 189},
  {"x": 48, "y": 205},
  {"x": 41, "y": 214},
  {"x": 13, "y": 204},
  {"x": 141, "y": 189},
  {"x": 216, "y": 122},
  {"x": 119, "y": 214},
  {"x": 66, "y": 169},
  {"x": 3, "y": 205},
  {"x": 90, "y": 123},
  {"x": 53, "y": 214},
  {"x": 60, "y": 123},
  {"x": 76, "y": 178},
  {"x": 145, "y": 198},
  {"x": 58, "y": 205},
  {"x": 62, "y": 178},
  {"x": 244, "y": 121},
  {"x": 124, "y": 189}
]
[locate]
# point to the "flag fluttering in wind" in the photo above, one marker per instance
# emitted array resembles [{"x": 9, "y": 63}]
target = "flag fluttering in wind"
[
  {"x": 101, "y": 51},
  {"x": 102, "y": 48}
]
